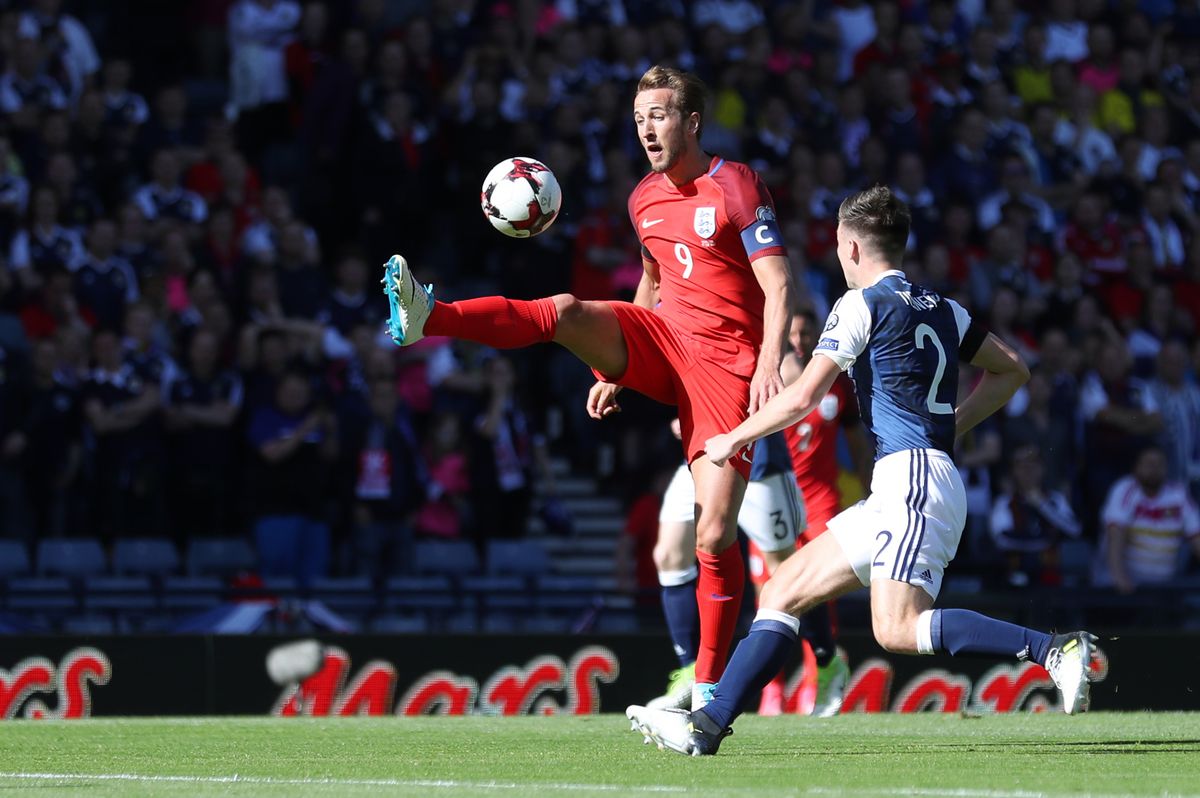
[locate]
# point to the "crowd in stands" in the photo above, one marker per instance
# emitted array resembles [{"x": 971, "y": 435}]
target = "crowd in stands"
[{"x": 195, "y": 198}]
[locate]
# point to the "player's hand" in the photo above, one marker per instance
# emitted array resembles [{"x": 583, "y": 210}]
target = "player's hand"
[
  {"x": 602, "y": 400},
  {"x": 676, "y": 430},
  {"x": 765, "y": 384},
  {"x": 719, "y": 448}
]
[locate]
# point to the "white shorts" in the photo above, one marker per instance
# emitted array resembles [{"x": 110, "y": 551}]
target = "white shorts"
[
  {"x": 909, "y": 527},
  {"x": 772, "y": 513}
]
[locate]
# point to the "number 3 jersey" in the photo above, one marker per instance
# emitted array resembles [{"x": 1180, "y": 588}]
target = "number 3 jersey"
[
  {"x": 703, "y": 237},
  {"x": 902, "y": 345}
]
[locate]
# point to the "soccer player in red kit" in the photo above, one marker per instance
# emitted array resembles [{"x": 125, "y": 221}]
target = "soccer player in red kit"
[{"x": 705, "y": 331}]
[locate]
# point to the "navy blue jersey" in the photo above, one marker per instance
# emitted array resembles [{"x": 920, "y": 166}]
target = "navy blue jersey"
[
  {"x": 771, "y": 456},
  {"x": 900, "y": 342}
]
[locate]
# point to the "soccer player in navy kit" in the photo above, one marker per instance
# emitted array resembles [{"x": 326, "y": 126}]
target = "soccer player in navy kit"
[{"x": 904, "y": 343}]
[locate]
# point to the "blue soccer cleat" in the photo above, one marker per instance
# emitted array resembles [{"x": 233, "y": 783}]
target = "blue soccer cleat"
[{"x": 410, "y": 302}]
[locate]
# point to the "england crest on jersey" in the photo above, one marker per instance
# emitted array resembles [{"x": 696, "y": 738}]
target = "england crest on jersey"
[{"x": 705, "y": 223}]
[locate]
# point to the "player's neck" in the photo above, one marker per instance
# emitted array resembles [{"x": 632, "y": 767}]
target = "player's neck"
[
  {"x": 869, "y": 273},
  {"x": 689, "y": 167}
]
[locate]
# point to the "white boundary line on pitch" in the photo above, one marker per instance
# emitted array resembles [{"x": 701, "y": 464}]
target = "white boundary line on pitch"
[{"x": 332, "y": 782}]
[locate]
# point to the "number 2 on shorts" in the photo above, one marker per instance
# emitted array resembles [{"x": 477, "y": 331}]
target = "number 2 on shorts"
[{"x": 879, "y": 554}]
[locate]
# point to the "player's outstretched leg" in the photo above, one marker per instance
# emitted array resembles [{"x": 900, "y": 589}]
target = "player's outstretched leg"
[
  {"x": 1067, "y": 657},
  {"x": 493, "y": 320}
]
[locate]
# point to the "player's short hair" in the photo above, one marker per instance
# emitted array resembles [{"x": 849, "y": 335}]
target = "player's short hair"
[
  {"x": 690, "y": 92},
  {"x": 880, "y": 217}
]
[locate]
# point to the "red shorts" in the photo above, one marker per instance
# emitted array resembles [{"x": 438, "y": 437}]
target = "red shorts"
[{"x": 710, "y": 386}]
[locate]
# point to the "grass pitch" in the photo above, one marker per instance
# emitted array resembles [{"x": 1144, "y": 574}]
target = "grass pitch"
[{"x": 936, "y": 756}]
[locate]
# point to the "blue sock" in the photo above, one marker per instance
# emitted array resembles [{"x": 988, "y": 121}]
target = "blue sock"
[
  {"x": 962, "y": 632},
  {"x": 755, "y": 662},
  {"x": 683, "y": 620},
  {"x": 817, "y": 629}
]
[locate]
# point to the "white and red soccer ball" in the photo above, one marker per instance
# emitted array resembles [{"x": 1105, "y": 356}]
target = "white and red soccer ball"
[{"x": 520, "y": 197}]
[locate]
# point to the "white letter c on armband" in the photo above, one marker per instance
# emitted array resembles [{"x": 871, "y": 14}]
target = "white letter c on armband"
[{"x": 763, "y": 239}]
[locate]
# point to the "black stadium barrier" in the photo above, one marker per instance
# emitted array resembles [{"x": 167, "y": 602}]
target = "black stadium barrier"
[{"x": 62, "y": 676}]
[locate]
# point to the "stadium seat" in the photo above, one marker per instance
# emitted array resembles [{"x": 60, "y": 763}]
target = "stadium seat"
[
  {"x": 145, "y": 557},
  {"x": 520, "y": 557},
  {"x": 71, "y": 557},
  {"x": 188, "y": 594},
  {"x": 420, "y": 593},
  {"x": 89, "y": 625},
  {"x": 499, "y": 592},
  {"x": 118, "y": 594},
  {"x": 568, "y": 593},
  {"x": 500, "y": 623},
  {"x": 546, "y": 625},
  {"x": 400, "y": 624},
  {"x": 353, "y": 595},
  {"x": 461, "y": 623},
  {"x": 14, "y": 559},
  {"x": 41, "y": 595},
  {"x": 220, "y": 556},
  {"x": 445, "y": 557}
]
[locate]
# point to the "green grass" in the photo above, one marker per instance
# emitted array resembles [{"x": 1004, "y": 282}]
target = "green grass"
[{"x": 997, "y": 756}]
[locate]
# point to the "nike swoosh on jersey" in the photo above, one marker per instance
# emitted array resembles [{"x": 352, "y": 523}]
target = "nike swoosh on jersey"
[{"x": 650, "y": 222}]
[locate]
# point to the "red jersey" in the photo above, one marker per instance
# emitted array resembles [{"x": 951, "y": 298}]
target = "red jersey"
[
  {"x": 703, "y": 236},
  {"x": 813, "y": 446}
]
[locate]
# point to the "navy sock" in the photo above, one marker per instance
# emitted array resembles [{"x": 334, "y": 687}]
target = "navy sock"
[
  {"x": 817, "y": 628},
  {"x": 962, "y": 632},
  {"x": 755, "y": 662},
  {"x": 683, "y": 620}
]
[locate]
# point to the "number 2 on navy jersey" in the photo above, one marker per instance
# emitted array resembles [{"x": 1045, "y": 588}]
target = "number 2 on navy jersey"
[
  {"x": 924, "y": 331},
  {"x": 684, "y": 256}
]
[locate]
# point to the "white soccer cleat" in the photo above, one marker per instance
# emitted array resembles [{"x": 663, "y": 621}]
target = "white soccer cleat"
[
  {"x": 1068, "y": 663},
  {"x": 667, "y": 728},
  {"x": 831, "y": 688},
  {"x": 702, "y": 694},
  {"x": 410, "y": 302},
  {"x": 679, "y": 690}
]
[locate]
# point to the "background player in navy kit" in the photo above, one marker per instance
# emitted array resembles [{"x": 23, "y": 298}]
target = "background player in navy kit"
[{"x": 904, "y": 343}]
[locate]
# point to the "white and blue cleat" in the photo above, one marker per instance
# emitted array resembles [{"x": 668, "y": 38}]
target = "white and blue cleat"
[{"x": 410, "y": 302}]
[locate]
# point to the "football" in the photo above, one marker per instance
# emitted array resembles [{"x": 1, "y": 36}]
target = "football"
[{"x": 520, "y": 197}]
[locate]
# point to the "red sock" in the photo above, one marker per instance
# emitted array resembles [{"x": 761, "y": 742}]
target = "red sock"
[
  {"x": 495, "y": 321},
  {"x": 719, "y": 594}
]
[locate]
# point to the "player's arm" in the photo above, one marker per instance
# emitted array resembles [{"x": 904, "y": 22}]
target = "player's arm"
[
  {"x": 1003, "y": 373},
  {"x": 775, "y": 278},
  {"x": 794, "y": 403},
  {"x": 791, "y": 369},
  {"x": 647, "y": 290}
]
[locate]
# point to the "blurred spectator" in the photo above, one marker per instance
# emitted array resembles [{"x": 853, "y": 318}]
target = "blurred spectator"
[
  {"x": 1120, "y": 419},
  {"x": 390, "y": 482},
  {"x": 1147, "y": 518},
  {"x": 121, "y": 408},
  {"x": 104, "y": 282},
  {"x": 68, "y": 46},
  {"x": 448, "y": 505},
  {"x": 202, "y": 406},
  {"x": 25, "y": 89},
  {"x": 1178, "y": 401},
  {"x": 53, "y": 454},
  {"x": 259, "y": 32},
  {"x": 164, "y": 199},
  {"x": 1028, "y": 522},
  {"x": 293, "y": 439},
  {"x": 43, "y": 244},
  {"x": 1031, "y": 421}
]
